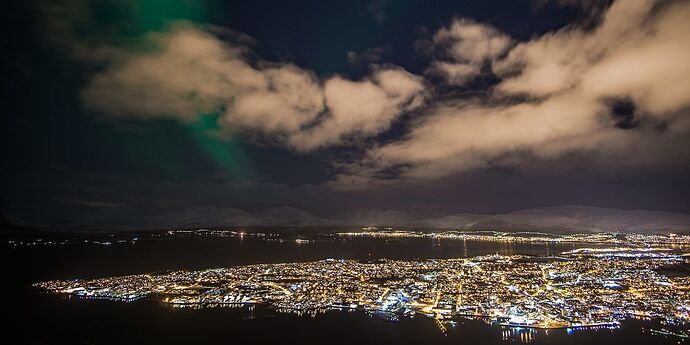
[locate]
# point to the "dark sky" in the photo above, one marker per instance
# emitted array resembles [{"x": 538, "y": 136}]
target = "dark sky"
[{"x": 428, "y": 107}]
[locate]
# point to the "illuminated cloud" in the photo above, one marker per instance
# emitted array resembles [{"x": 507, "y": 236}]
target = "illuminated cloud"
[
  {"x": 362, "y": 108},
  {"x": 195, "y": 73},
  {"x": 190, "y": 73},
  {"x": 553, "y": 99},
  {"x": 464, "y": 49},
  {"x": 289, "y": 99}
]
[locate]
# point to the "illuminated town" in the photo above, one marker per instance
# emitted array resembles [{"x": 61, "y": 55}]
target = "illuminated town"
[
  {"x": 583, "y": 288},
  {"x": 598, "y": 238},
  {"x": 611, "y": 238}
]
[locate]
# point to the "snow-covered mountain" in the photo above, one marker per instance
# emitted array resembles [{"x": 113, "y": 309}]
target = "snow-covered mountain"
[
  {"x": 128, "y": 218},
  {"x": 561, "y": 218},
  {"x": 381, "y": 217},
  {"x": 568, "y": 218},
  {"x": 291, "y": 216}
]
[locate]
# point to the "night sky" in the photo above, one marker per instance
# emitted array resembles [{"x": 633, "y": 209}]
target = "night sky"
[{"x": 138, "y": 107}]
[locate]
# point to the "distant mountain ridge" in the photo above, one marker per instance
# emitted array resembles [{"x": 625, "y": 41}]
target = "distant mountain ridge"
[
  {"x": 126, "y": 218},
  {"x": 565, "y": 218},
  {"x": 558, "y": 218}
]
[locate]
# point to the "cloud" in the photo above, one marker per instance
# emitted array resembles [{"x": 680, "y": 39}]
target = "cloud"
[
  {"x": 654, "y": 70},
  {"x": 289, "y": 99},
  {"x": 636, "y": 52},
  {"x": 362, "y": 108},
  {"x": 193, "y": 72},
  {"x": 554, "y": 99},
  {"x": 555, "y": 61},
  {"x": 464, "y": 48}
]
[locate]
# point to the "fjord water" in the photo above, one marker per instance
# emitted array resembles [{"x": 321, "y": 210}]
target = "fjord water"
[{"x": 42, "y": 318}]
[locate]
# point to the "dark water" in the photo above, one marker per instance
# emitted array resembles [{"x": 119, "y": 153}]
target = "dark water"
[{"x": 49, "y": 319}]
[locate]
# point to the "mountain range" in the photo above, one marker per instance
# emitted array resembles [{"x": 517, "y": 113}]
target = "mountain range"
[
  {"x": 568, "y": 218},
  {"x": 560, "y": 218}
]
